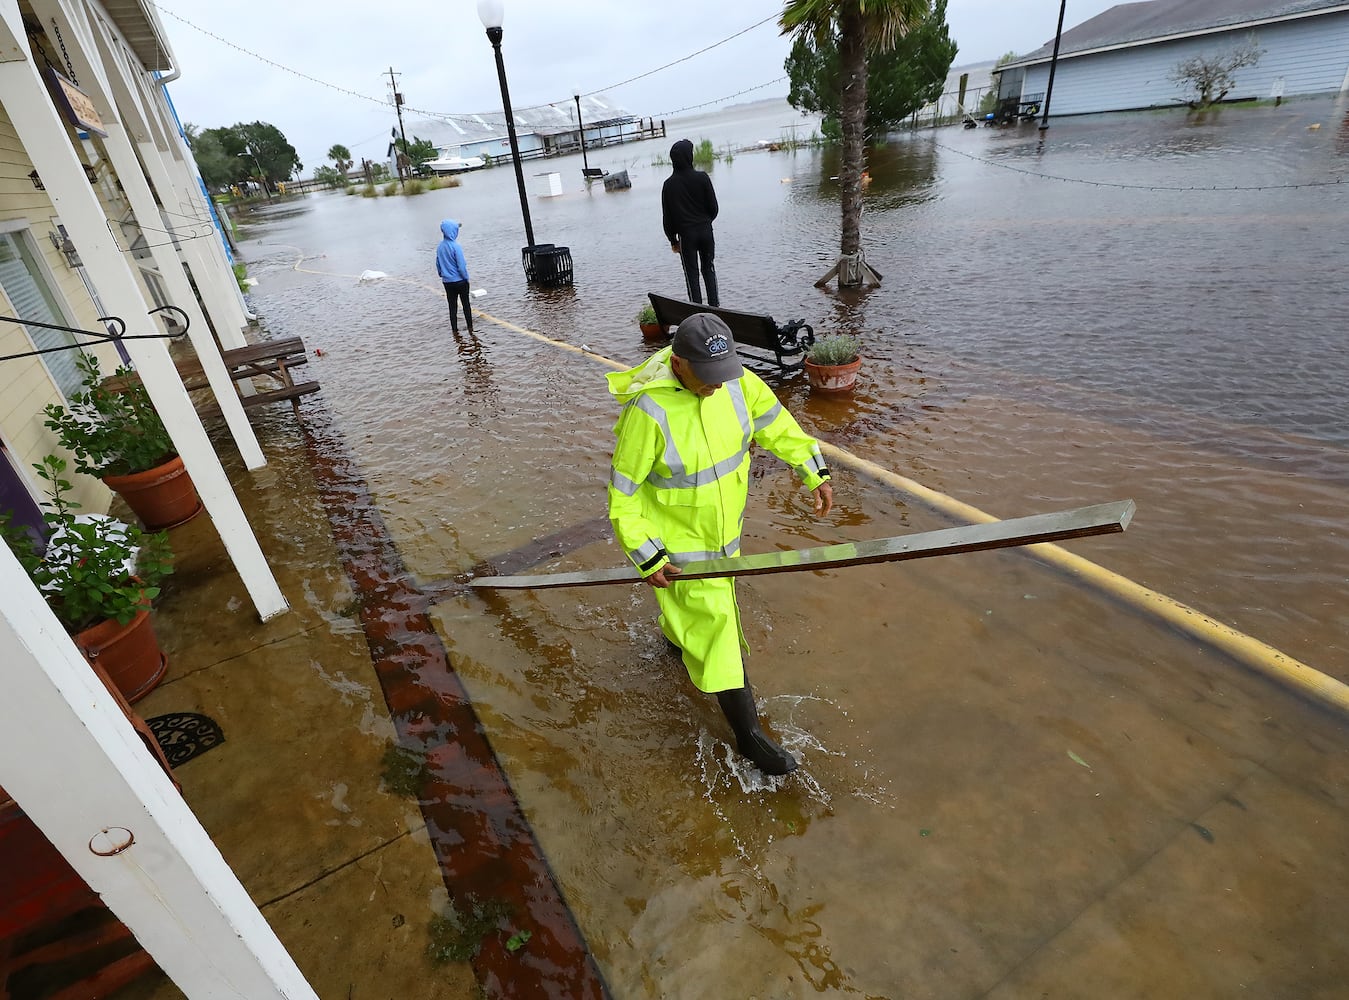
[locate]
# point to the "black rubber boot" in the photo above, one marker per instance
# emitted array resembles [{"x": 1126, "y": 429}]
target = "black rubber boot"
[{"x": 738, "y": 707}]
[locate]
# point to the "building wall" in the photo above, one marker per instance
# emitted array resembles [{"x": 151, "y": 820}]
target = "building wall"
[
  {"x": 26, "y": 387},
  {"x": 1311, "y": 54}
]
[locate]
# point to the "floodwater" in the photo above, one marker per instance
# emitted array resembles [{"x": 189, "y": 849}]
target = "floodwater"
[{"x": 1012, "y": 783}]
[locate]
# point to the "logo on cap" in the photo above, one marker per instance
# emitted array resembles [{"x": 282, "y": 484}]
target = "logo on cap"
[{"x": 717, "y": 346}]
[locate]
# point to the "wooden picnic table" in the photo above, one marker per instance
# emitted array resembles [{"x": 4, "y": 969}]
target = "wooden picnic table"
[{"x": 274, "y": 359}]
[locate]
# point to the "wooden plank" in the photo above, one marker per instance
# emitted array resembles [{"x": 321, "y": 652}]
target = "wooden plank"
[
  {"x": 1100, "y": 519},
  {"x": 279, "y": 395},
  {"x": 263, "y": 350}
]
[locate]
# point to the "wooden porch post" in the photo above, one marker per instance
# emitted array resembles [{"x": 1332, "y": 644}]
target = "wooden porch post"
[{"x": 73, "y": 763}]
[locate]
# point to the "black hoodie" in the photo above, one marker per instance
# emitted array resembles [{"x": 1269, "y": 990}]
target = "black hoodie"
[{"x": 687, "y": 199}]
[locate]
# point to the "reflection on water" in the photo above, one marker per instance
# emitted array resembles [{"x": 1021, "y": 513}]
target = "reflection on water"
[{"x": 1038, "y": 343}]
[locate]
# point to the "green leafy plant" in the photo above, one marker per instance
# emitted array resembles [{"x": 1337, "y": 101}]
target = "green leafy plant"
[
  {"x": 458, "y": 932},
  {"x": 404, "y": 771},
  {"x": 93, "y": 568},
  {"x": 240, "y": 273},
  {"x": 646, "y": 314},
  {"x": 835, "y": 349},
  {"x": 110, "y": 433},
  {"x": 704, "y": 155}
]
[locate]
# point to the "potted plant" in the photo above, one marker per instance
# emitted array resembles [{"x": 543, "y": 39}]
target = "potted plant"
[
  {"x": 115, "y": 434},
  {"x": 98, "y": 576},
  {"x": 832, "y": 362},
  {"x": 651, "y": 328}
]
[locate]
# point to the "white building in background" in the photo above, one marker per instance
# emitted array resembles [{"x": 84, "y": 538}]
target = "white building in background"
[{"x": 1123, "y": 58}]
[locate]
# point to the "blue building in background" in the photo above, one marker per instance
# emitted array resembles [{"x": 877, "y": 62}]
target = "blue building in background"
[{"x": 1123, "y": 59}]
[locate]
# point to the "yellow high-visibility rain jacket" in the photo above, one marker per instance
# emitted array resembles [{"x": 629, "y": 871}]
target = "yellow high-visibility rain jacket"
[{"x": 677, "y": 492}]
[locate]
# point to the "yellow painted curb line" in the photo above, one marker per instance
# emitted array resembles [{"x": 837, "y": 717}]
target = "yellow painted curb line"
[
  {"x": 1246, "y": 650},
  {"x": 1251, "y": 652}
]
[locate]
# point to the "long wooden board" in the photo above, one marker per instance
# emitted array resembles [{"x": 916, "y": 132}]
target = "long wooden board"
[{"x": 1101, "y": 519}]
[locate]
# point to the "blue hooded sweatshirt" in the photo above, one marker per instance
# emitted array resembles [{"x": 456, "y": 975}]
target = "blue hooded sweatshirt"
[{"x": 450, "y": 263}]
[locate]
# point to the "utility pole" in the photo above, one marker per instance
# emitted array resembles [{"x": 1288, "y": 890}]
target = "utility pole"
[{"x": 398, "y": 107}]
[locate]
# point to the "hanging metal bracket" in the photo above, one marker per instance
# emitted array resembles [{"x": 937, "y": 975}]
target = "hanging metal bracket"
[{"x": 104, "y": 337}]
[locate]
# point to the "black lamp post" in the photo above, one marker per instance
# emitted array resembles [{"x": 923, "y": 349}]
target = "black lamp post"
[
  {"x": 581, "y": 134},
  {"x": 1053, "y": 64},
  {"x": 492, "y": 13},
  {"x": 262, "y": 174}
]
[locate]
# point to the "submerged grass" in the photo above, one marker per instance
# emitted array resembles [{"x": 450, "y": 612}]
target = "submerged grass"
[{"x": 458, "y": 932}]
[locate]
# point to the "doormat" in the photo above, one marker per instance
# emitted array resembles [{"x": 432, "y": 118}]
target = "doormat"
[{"x": 184, "y": 735}]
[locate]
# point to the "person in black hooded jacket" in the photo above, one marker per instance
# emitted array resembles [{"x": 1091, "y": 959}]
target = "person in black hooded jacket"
[{"x": 688, "y": 206}]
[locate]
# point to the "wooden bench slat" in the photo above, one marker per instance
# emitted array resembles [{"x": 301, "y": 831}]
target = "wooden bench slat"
[{"x": 279, "y": 395}]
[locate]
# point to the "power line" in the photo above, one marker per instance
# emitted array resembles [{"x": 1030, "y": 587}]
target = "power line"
[
  {"x": 686, "y": 58},
  {"x": 694, "y": 107},
  {"x": 469, "y": 117},
  {"x": 1135, "y": 187}
]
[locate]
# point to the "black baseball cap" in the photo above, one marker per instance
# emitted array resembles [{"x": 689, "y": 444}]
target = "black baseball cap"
[{"x": 705, "y": 342}]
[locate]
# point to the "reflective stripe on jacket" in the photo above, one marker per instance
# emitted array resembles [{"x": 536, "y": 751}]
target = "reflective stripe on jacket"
[
  {"x": 680, "y": 473},
  {"x": 677, "y": 491}
]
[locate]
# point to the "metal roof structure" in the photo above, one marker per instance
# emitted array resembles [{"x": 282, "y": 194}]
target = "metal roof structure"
[
  {"x": 1154, "y": 20},
  {"x": 597, "y": 111}
]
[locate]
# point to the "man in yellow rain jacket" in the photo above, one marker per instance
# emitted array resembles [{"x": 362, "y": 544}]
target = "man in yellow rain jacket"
[{"x": 677, "y": 493}]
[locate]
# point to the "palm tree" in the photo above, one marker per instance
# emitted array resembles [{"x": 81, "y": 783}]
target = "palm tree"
[
  {"x": 341, "y": 156},
  {"x": 859, "y": 25}
]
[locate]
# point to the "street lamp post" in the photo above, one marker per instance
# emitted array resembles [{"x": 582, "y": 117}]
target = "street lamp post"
[
  {"x": 492, "y": 13},
  {"x": 1053, "y": 64},
  {"x": 581, "y": 134},
  {"x": 262, "y": 174}
]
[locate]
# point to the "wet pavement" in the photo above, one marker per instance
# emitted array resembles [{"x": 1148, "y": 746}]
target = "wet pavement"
[{"x": 1012, "y": 785}]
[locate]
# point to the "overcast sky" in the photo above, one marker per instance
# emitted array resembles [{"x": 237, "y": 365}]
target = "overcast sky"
[{"x": 551, "y": 48}]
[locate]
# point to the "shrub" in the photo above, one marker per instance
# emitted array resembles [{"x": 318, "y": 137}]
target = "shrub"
[
  {"x": 390, "y": 189},
  {"x": 646, "y": 314},
  {"x": 703, "y": 154},
  {"x": 94, "y": 569},
  {"x": 835, "y": 349},
  {"x": 110, "y": 433},
  {"x": 369, "y": 191}
]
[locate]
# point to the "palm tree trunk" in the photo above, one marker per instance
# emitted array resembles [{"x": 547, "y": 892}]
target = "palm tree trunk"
[{"x": 853, "y": 112}]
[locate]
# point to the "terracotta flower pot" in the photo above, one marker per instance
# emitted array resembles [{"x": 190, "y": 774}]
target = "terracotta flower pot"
[
  {"x": 162, "y": 497},
  {"x": 129, "y": 654},
  {"x": 832, "y": 378},
  {"x": 653, "y": 331}
]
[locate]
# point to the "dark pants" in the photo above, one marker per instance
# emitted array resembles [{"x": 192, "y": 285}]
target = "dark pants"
[
  {"x": 697, "y": 249},
  {"x": 459, "y": 290}
]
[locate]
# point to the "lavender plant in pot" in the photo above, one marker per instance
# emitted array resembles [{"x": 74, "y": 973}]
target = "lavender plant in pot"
[{"x": 832, "y": 362}]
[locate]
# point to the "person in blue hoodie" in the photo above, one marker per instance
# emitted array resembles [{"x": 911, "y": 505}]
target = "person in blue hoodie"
[{"x": 453, "y": 271}]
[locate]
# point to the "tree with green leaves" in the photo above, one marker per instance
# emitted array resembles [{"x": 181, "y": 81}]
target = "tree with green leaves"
[
  {"x": 256, "y": 150},
  {"x": 861, "y": 28},
  {"x": 415, "y": 153},
  {"x": 989, "y": 102},
  {"x": 341, "y": 157},
  {"x": 899, "y": 81}
]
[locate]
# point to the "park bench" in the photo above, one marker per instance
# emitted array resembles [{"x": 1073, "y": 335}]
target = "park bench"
[{"x": 758, "y": 337}]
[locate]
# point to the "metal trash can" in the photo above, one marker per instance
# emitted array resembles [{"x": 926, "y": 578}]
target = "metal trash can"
[{"x": 547, "y": 265}]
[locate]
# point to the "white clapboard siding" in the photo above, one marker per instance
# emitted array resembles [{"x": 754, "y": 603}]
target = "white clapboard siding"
[{"x": 1310, "y": 54}]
